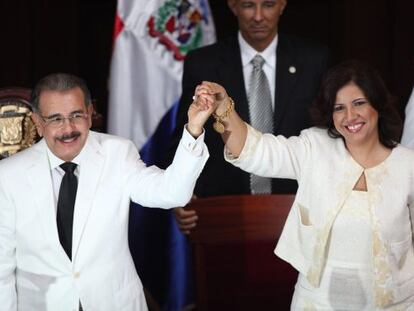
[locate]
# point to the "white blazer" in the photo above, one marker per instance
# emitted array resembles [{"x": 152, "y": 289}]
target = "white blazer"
[
  {"x": 326, "y": 175},
  {"x": 101, "y": 274}
]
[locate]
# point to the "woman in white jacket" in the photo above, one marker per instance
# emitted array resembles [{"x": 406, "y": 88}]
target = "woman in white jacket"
[{"x": 349, "y": 232}]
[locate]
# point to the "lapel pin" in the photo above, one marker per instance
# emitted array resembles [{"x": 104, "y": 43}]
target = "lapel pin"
[{"x": 292, "y": 69}]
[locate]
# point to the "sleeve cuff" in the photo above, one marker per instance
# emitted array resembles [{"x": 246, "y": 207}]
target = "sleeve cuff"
[{"x": 191, "y": 144}]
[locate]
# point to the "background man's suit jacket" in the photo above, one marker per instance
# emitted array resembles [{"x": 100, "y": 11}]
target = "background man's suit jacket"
[
  {"x": 295, "y": 92},
  {"x": 101, "y": 274}
]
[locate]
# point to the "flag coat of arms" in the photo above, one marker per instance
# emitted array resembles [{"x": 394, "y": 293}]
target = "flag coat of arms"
[{"x": 151, "y": 41}]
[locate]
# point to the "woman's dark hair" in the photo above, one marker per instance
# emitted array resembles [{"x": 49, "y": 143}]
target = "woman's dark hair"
[{"x": 374, "y": 89}]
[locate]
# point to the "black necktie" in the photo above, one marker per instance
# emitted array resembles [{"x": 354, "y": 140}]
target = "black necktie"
[{"x": 65, "y": 206}]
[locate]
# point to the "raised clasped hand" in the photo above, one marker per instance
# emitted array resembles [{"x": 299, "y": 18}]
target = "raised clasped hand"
[
  {"x": 213, "y": 93},
  {"x": 208, "y": 96}
]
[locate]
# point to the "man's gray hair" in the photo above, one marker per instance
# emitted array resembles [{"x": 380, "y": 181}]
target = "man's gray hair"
[{"x": 59, "y": 82}]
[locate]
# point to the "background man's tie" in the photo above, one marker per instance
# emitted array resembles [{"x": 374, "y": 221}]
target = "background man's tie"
[
  {"x": 261, "y": 115},
  {"x": 65, "y": 206}
]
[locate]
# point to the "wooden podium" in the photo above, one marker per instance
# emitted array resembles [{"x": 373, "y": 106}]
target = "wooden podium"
[{"x": 233, "y": 243}]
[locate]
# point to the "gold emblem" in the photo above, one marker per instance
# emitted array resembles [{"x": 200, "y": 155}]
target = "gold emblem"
[
  {"x": 11, "y": 130},
  {"x": 17, "y": 130}
]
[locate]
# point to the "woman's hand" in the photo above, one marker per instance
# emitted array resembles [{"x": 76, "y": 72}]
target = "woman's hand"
[
  {"x": 214, "y": 93},
  {"x": 228, "y": 123}
]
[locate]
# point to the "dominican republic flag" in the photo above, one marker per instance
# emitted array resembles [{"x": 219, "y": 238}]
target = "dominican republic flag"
[
  {"x": 408, "y": 131},
  {"x": 151, "y": 39}
]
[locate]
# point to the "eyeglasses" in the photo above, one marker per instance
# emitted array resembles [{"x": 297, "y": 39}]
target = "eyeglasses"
[{"x": 58, "y": 121}]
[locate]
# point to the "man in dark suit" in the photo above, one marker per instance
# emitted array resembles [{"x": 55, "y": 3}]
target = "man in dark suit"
[{"x": 293, "y": 67}]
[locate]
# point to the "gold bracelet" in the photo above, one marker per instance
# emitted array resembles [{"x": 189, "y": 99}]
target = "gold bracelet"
[{"x": 218, "y": 125}]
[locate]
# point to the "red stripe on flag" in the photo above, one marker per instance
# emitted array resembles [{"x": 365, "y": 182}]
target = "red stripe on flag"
[{"x": 118, "y": 26}]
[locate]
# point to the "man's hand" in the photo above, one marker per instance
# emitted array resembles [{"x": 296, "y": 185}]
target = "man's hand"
[
  {"x": 208, "y": 97},
  {"x": 186, "y": 219},
  {"x": 198, "y": 113}
]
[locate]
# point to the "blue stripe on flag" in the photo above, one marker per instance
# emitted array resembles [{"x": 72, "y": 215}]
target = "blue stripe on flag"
[
  {"x": 181, "y": 282},
  {"x": 160, "y": 251}
]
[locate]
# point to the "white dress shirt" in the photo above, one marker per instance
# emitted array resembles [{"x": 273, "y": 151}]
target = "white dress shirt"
[{"x": 57, "y": 172}]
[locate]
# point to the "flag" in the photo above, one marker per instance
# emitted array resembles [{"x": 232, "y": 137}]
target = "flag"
[
  {"x": 151, "y": 39},
  {"x": 408, "y": 131}
]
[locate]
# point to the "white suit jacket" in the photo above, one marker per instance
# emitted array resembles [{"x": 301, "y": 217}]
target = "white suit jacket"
[
  {"x": 326, "y": 175},
  {"x": 101, "y": 274}
]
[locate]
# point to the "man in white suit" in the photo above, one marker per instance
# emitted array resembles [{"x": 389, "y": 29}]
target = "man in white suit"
[{"x": 42, "y": 266}]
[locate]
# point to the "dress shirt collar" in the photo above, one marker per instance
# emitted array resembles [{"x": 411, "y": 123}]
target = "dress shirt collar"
[
  {"x": 54, "y": 161},
  {"x": 248, "y": 52}
]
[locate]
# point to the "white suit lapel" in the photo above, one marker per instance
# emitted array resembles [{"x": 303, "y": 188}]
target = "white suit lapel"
[
  {"x": 91, "y": 168},
  {"x": 40, "y": 180}
]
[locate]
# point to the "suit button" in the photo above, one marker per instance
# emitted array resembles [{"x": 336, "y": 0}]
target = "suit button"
[{"x": 76, "y": 275}]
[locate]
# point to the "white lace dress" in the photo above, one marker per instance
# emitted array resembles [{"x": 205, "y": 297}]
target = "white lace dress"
[{"x": 347, "y": 280}]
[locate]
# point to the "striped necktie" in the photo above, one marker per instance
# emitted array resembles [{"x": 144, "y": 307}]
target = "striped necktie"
[{"x": 261, "y": 115}]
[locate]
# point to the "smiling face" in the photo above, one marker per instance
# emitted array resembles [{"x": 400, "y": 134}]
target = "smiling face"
[
  {"x": 64, "y": 140},
  {"x": 258, "y": 20},
  {"x": 354, "y": 117}
]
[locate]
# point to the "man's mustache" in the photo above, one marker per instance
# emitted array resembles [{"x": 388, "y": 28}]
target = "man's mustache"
[{"x": 71, "y": 135}]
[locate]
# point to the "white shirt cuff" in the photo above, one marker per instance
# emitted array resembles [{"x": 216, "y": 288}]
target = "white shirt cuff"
[{"x": 191, "y": 144}]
